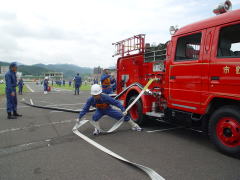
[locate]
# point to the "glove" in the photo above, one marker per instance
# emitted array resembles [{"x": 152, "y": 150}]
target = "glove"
[{"x": 125, "y": 113}]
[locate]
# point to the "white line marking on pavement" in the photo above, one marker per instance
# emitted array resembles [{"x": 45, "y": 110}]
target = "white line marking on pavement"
[
  {"x": 162, "y": 130},
  {"x": 62, "y": 89},
  {"x": 44, "y": 101},
  {"x": 19, "y": 107},
  {"x": 37, "y": 125},
  {"x": 55, "y": 111},
  {"x": 31, "y": 101},
  {"x": 30, "y": 88}
]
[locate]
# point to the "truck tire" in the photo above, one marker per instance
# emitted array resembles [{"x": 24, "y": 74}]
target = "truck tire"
[
  {"x": 136, "y": 111},
  {"x": 224, "y": 129}
]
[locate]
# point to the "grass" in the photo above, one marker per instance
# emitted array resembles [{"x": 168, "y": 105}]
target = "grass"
[
  {"x": 2, "y": 89},
  {"x": 86, "y": 87}
]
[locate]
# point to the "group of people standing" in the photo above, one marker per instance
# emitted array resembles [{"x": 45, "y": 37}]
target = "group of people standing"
[
  {"x": 99, "y": 98},
  {"x": 108, "y": 83}
]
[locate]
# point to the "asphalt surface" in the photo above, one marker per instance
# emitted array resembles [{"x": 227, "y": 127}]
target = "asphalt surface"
[{"x": 41, "y": 145}]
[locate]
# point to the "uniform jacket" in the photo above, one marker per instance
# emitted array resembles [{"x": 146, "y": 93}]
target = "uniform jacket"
[
  {"x": 101, "y": 104},
  {"x": 106, "y": 81},
  {"x": 11, "y": 81},
  {"x": 20, "y": 83},
  {"x": 78, "y": 80}
]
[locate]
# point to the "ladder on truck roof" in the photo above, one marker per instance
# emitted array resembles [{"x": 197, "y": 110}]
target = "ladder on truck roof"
[{"x": 135, "y": 43}]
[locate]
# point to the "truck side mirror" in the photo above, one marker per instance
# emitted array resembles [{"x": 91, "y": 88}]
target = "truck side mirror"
[{"x": 169, "y": 48}]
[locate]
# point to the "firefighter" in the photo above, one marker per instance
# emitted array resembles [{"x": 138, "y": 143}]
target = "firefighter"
[
  {"x": 103, "y": 103},
  {"x": 70, "y": 83},
  {"x": 45, "y": 85},
  {"x": 63, "y": 82},
  {"x": 11, "y": 84},
  {"x": 78, "y": 82},
  {"x": 20, "y": 86},
  {"x": 106, "y": 82}
]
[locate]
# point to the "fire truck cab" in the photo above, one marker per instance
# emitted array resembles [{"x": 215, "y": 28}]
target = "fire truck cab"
[{"x": 197, "y": 77}]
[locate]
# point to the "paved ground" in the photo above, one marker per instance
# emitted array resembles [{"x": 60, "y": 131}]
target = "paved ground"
[{"x": 41, "y": 145}]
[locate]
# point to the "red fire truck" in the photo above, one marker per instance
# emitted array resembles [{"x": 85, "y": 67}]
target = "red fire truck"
[{"x": 198, "y": 77}]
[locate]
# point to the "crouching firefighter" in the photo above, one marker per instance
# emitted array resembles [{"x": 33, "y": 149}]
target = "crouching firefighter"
[
  {"x": 11, "y": 84},
  {"x": 103, "y": 103}
]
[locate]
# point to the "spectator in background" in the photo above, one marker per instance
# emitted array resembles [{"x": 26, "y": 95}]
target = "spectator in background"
[
  {"x": 78, "y": 82},
  {"x": 20, "y": 86},
  {"x": 95, "y": 81},
  {"x": 45, "y": 85}
]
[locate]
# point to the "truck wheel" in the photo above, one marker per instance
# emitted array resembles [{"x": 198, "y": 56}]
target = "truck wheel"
[
  {"x": 136, "y": 111},
  {"x": 224, "y": 129}
]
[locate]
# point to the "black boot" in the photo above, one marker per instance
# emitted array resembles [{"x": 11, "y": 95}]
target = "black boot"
[
  {"x": 16, "y": 114},
  {"x": 10, "y": 116}
]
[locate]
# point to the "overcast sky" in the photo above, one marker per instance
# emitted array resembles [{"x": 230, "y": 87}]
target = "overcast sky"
[{"x": 81, "y": 32}]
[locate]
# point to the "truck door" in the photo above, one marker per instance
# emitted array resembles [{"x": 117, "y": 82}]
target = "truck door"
[
  {"x": 224, "y": 74},
  {"x": 185, "y": 74}
]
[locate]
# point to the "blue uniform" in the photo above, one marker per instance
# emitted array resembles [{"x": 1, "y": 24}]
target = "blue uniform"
[
  {"x": 103, "y": 107},
  {"x": 106, "y": 84},
  {"x": 20, "y": 86},
  {"x": 45, "y": 85},
  {"x": 95, "y": 81},
  {"x": 78, "y": 83},
  {"x": 11, "y": 84}
]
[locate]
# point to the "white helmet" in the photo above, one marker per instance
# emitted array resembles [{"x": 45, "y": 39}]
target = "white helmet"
[
  {"x": 46, "y": 77},
  {"x": 96, "y": 89}
]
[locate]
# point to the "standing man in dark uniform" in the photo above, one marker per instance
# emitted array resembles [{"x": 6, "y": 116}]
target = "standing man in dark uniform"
[
  {"x": 78, "y": 82},
  {"x": 45, "y": 85},
  {"x": 106, "y": 82},
  {"x": 95, "y": 81},
  {"x": 11, "y": 84},
  {"x": 20, "y": 86}
]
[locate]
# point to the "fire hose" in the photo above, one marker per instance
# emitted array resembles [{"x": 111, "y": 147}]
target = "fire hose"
[
  {"x": 76, "y": 111},
  {"x": 150, "y": 172},
  {"x": 53, "y": 108},
  {"x": 119, "y": 122}
]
